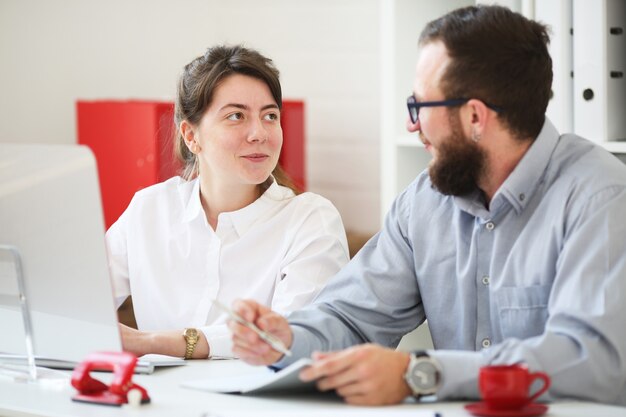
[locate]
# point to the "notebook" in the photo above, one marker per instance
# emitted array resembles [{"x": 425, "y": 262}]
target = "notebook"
[
  {"x": 53, "y": 229},
  {"x": 261, "y": 381}
]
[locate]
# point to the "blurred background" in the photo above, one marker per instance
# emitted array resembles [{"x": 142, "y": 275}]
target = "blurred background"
[
  {"x": 53, "y": 53},
  {"x": 350, "y": 61}
]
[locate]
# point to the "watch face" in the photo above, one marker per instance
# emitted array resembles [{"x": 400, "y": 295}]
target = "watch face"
[
  {"x": 424, "y": 375},
  {"x": 190, "y": 333}
]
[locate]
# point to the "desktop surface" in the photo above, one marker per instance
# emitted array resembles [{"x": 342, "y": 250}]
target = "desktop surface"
[{"x": 20, "y": 399}]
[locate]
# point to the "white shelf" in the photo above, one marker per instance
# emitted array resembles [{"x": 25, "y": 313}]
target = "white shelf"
[{"x": 615, "y": 147}]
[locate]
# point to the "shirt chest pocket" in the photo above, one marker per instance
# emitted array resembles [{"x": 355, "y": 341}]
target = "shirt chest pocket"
[{"x": 522, "y": 311}]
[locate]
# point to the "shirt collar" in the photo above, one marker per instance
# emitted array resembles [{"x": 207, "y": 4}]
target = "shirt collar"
[
  {"x": 241, "y": 219},
  {"x": 522, "y": 183},
  {"x": 190, "y": 191},
  {"x": 244, "y": 218}
]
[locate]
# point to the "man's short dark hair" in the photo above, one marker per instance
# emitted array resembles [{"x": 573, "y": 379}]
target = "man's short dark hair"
[{"x": 499, "y": 57}]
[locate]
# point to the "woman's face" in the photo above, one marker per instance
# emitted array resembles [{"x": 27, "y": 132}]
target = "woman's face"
[{"x": 239, "y": 136}]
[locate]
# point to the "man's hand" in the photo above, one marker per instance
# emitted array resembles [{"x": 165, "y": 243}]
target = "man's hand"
[
  {"x": 247, "y": 344},
  {"x": 362, "y": 375}
]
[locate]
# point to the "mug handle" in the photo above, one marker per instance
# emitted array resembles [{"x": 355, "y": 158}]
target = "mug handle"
[{"x": 546, "y": 384}]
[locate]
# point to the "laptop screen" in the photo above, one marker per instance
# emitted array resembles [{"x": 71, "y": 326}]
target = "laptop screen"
[{"x": 51, "y": 213}]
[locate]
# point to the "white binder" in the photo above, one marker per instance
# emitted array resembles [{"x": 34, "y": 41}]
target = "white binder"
[
  {"x": 599, "y": 69},
  {"x": 557, "y": 14}
]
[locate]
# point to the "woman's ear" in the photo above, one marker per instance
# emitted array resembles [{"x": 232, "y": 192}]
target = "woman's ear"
[{"x": 188, "y": 132}]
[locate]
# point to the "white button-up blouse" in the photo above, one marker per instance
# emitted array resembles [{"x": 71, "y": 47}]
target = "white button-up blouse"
[{"x": 280, "y": 251}]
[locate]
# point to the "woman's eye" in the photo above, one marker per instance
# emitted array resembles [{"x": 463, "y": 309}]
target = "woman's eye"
[
  {"x": 235, "y": 116},
  {"x": 271, "y": 116}
]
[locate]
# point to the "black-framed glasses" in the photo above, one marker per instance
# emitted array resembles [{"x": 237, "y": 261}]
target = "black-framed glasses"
[{"x": 414, "y": 106}]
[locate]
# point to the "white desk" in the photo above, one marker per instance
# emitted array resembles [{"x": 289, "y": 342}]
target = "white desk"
[{"x": 169, "y": 399}]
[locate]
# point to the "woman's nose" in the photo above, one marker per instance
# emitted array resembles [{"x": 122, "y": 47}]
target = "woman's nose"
[{"x": 258, "y": 132}]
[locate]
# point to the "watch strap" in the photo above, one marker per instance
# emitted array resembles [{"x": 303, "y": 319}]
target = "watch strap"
[{"x": 191, "y": 339}]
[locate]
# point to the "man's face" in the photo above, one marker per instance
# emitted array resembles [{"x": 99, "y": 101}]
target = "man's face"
[{"x": 457, "y": 160}]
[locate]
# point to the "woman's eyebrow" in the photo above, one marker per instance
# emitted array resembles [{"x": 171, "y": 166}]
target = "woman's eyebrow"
[{"x": 245, "y": 107}]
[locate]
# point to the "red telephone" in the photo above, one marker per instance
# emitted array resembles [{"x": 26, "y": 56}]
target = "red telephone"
[{"x": 90, "y": 390}]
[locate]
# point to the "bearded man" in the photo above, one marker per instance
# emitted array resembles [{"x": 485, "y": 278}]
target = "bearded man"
[{"x": 512, "y": 244}]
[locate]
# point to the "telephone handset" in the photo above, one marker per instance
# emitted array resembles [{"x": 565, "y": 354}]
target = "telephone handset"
[{"x": 91, "y": 390}]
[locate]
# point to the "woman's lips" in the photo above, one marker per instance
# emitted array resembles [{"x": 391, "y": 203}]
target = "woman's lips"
[{"x": 256, "y": 157}]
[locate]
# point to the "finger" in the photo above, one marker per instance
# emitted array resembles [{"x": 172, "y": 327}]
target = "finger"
[
  {"x": 361, "y": 399},
  {"x": 247, "y": 309},
  {"x": 255, "y": 346},
  {"x": 332, "y": 364},
  {"x": 241, "y": 331},
  {"x": 257, "y": 358},
  {"x": 272, "y": 322},
  {"x": 348, "y": 377},
  {"x": 321, "y": 355},
  {"x": 351, "y": 390},
  {"x": 252, "y": 359}
]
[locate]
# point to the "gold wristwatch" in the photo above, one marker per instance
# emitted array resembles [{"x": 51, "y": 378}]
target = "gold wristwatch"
[{"x": 191, "y": 337}]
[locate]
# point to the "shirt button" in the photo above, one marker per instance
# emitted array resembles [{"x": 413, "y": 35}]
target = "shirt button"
[
  {"x": 486, "y": 342},
  {"x": 490, "y": 225},
  {"x": 486, "y": 280},
  {"x": 522, "y": 196}
]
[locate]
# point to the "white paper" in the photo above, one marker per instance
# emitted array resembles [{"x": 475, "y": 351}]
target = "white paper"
[
  {"x": 285, "y": 380},
  {"x": 162, "y": 360},
  {"x": 145, "y": 364}
]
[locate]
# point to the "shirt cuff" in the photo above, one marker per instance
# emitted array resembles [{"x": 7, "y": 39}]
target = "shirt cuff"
[
  {"x": 220, "y": 341},
  {"x": 459, "y": 373}
]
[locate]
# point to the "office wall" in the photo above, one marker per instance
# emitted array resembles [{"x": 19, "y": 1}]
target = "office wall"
[{"x": 54, "y": 52}]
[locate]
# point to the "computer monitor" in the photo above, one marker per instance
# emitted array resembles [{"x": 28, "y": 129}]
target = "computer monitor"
[{"x": 51, "y": 212}]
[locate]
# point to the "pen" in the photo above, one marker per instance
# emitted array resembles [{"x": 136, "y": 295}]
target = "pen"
[{"x": 272, "y": 340}]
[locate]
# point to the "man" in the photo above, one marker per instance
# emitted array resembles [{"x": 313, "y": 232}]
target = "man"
[{"x": 512, "y": 244}]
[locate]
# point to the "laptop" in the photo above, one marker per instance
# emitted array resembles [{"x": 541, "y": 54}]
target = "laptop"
[{"x": 52, "y": 223}]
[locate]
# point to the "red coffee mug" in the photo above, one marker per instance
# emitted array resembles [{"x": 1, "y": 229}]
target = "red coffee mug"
[{"x": 507, "y": 386}]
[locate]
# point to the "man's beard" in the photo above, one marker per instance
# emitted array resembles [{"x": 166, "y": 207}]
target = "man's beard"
[{"x": 458, "y": 164}]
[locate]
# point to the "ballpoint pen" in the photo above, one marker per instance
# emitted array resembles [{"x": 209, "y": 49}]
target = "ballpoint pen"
[{"x": 272, "y": 340}]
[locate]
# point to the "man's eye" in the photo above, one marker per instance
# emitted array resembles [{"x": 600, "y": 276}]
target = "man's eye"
[
  {"x": 235, "y": 116},
  {"x": 271, "y": 116}
]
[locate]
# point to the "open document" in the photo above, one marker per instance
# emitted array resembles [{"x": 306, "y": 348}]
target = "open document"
[{"x": 264, "y": 381}]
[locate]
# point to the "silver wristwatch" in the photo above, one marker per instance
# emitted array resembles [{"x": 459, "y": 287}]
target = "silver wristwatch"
[{"x": 423, "y": 375}]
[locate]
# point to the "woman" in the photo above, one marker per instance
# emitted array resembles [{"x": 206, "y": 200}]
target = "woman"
[{"x": 228, "y": 228}]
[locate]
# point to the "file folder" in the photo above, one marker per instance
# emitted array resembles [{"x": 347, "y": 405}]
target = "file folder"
[
  {"x": 599, "y": 69},
  {"x": 557, "y": 14}
]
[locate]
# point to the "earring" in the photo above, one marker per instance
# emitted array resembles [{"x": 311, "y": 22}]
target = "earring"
[{"x": 475, "y": 136}]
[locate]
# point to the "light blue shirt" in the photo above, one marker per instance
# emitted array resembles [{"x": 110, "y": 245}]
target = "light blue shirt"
[{"x": 539, "y": 277}]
